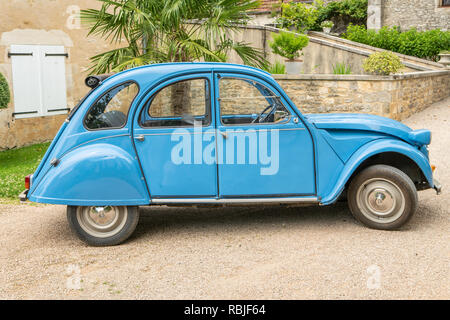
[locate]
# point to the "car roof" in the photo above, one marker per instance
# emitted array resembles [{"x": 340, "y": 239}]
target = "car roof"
[{"x": 152, "y": 72}]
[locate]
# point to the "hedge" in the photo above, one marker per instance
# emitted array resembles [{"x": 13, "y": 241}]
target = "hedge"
[{"x": 421, "y": 44}]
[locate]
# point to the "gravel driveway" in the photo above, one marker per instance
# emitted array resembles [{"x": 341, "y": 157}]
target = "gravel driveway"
[{"x": 238, "y": 253}]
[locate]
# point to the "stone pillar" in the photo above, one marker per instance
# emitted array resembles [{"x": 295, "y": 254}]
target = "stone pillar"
[{"x": 374, "y": 12}]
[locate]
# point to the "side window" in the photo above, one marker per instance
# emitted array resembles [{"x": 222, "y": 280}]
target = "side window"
[
  {"x": 245, "y": 102},
  {"x": 180, "y": 104},
  {"x": 111, "y": 110}
]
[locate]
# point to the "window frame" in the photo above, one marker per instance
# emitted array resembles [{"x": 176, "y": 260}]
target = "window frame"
[
  {"x": 442, "y": 5},
  {"x": 208, "y": 110},
  {"x": 256, "y": 123},
  {"x": 102, "y": 95}
]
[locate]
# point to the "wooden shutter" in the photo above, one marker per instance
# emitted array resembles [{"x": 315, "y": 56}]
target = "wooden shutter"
[
  {"x": 53, "y": 79},
  {"x": 26, "y": 80}
]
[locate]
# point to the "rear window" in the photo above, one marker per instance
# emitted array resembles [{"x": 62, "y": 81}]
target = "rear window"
[{"x": 111, "y": 109}]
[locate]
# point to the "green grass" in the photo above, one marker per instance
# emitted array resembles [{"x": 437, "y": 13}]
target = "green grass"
[{"x": 15, "y": 164}]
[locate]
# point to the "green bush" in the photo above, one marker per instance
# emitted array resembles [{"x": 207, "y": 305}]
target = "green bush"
[
  {"x": 300, "y": 16},
  {"x": 4, "y": 92},
  {"x": 382, "y": 63},
  {"x": 303, "y": 17},
  {"x": 348, "y": 11},
  {"x": 276, "y": 68},
  {"x": 288, "y": 45},
  {"x": 421, "y": 44}
]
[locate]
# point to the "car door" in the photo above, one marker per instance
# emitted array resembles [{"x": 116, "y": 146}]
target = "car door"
[
  {"x": 175, "y": 123},
  {"x": 264, "y": 149}
]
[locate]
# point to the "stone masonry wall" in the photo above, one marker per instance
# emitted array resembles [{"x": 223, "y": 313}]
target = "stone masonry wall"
[
  {"x": 396, "y": 97},
  {"x": 422, "y": 14}
]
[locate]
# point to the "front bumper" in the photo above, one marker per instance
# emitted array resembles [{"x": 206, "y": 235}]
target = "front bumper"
[
  {"x": 24, "y": 195},
  {"x": 437, "y": 186}
]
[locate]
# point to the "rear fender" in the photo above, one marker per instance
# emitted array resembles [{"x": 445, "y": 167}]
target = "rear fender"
[
  {"x": 373, "y": 148},
  {"x": 94, "y": 174}
]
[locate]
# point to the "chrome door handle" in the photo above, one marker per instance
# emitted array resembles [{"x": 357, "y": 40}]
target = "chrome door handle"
[
  {"x": 224, "y": 134},
  {"x": 140, "y": 137}
]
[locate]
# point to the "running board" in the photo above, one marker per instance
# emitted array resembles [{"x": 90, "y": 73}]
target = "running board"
[{"x": 312, "y": 200}]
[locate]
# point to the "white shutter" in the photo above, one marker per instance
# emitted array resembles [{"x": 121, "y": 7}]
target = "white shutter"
[
  {"x": 26, "y": 80},
  {"x": 53, "y": 79}
]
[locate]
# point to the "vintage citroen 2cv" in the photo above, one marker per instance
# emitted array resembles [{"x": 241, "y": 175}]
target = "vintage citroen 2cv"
[{"x": 220, "y": 134}]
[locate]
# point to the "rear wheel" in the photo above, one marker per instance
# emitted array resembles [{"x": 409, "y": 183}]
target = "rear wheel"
[
  {"x": 382, "y": 197},
  {"x": 103, "y": 226}
]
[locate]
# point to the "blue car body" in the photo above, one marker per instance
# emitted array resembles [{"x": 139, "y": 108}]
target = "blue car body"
[{"x": 131, "y": 165}]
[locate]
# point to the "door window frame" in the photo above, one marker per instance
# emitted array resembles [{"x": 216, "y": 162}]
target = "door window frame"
[
  {"x": 167, "y": 83},
  {"x": 221, "y": 75}
]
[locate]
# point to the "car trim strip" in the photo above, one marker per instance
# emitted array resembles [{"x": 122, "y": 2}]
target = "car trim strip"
[{"x": 236, "y": 200}]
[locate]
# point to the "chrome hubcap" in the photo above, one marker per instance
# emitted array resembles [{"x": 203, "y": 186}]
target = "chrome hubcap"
[
  {"x": 102, "y": 221},
  {"x": 380, "y": 200}
]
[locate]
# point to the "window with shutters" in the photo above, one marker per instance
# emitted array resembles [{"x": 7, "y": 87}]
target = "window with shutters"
[{"x": 39, "y": 80}]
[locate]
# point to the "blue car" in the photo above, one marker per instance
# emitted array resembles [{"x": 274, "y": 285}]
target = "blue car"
[{"x": 205, "y": 134}]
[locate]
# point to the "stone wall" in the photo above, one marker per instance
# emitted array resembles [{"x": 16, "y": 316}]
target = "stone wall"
[
  {"x": 396, "y": 97},
  {"x": 422, "y": 14},
  {"x": 322, "y": 53}
]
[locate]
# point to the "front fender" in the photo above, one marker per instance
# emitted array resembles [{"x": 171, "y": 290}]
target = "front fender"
[
  {"x": 95, "y": 174},
  {"x": 373, "y": 148}
]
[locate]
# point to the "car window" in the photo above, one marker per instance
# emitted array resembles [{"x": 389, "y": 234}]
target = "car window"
[
  {"x": 245, "y": 101},
  {"x": 111, "y": 110},
  {"x": 183, "y": 103}
]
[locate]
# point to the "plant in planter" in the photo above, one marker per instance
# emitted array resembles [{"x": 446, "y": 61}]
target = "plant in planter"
[
  {"x": 382, "y": 63},
  {"x": 4, "y": 92},
  {"x": 289, "y": 46},
  {"x": 445, "y": 58},
  {"x": 327, "y": 25}
]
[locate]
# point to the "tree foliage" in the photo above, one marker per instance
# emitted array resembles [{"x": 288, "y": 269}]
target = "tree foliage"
[{"x": 169, "y": 31}]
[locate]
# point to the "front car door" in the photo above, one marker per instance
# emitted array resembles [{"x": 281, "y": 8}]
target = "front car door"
[
  {"x": 176, "y": 122},
  {"x": 264, "y": 149}
]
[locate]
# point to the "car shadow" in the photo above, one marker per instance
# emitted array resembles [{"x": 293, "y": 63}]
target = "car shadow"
[{"x": 177, "y": 219}]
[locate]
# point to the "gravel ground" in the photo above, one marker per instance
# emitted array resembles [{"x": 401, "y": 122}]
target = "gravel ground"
[{"x": 238, "y": 253}]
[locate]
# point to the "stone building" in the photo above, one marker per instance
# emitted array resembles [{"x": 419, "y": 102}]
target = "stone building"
[
  {"x": 44, "y": 55},
  {"x": 421, "y": 14}
]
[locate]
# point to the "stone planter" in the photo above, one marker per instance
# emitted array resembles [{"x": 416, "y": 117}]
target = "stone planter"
[
  {"x": 293, "y": 66},
  {"x": 327, "y": 30},
  {"x": 445, "y": 59}
]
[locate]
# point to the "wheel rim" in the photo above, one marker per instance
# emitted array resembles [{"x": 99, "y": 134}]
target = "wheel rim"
[
  {"x": 380, "y": 200},
  {"x": 102, "y": 222}
]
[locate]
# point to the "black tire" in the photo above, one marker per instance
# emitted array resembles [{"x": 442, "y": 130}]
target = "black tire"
[
  {"x": 129, "y": 217},
  {"x": 382, "y": 197}
]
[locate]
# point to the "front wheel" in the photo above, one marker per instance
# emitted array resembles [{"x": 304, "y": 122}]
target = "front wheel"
[
  {"x": 382, "y": 197},
  {"x": 103, "y": 226}
]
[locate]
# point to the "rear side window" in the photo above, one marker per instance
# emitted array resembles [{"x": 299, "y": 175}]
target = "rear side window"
[
  {"x": 111, "y": 110},
  {"x": 180, "y": 104}
]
